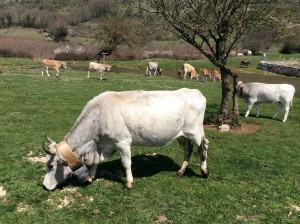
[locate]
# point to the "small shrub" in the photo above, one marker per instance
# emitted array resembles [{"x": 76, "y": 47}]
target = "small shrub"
[
  {"x": 5, "y": 53},
  {"x": 68, "y": 56},
  {"x": 58, "y": 31},
  {"x": 289, "y": 48}
]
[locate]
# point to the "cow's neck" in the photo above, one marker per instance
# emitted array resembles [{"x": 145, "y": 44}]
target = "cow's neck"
[{"x": 80, "y": 135}]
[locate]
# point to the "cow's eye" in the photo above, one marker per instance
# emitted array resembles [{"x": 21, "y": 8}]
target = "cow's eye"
[{"x": 50, "y": 166}]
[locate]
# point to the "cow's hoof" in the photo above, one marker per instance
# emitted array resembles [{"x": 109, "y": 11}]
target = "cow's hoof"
[
  {"x": 179, "y": 174},
  {"x": 89, "y": 180},
  {"x": 205, "y": 174},
  {"x": 128, "y": 186}
]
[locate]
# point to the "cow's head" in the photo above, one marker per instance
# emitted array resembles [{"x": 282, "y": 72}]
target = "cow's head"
[
  {"x": 108, "y": 67},
  {"x": 63, "y": 65},
  {"x": 58, "y": 168},
  {"x": 240, "y": 88},
  {"x": 159, "y": 71}
]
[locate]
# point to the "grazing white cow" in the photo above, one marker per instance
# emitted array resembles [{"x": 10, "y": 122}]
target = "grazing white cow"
[
  {"x": 57, "y": 65},
  {"x": 115, "y": 121},
  {"x": 101, "y": 68},
  {"x": 153, "y": 66},
  {"x": 189, "y": 69},
  {"x": 256, "y": 93}
]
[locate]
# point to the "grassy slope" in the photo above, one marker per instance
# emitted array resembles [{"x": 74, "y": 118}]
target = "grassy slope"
[{"x": 254, "y": 177}]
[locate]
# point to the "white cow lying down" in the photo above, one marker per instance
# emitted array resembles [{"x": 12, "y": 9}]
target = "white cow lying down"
[
  {"x": 114, "y": 121},
  {"x": 256, "y": 93}
]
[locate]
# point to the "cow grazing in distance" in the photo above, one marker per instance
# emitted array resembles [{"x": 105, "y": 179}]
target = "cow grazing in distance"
[
  {"x": 153, "y": 67},
  {"x": 206, "y": 72},
  {"x": 190, "y": 70},
  {"x": 256, "y": 93},
  {"x": 114, "y": 121},
  {"x": 57, "y": 65},
  {"x": 179, "y": 73},
  {"x": 101, "y": 68},
  {"x": 245, "y": 63},
  {"x": 216, "y": 75}
]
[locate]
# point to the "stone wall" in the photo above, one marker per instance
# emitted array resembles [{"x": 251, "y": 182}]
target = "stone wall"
[{"x": 283, "y": 68}]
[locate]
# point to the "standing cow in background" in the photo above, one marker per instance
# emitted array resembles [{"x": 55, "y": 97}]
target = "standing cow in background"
[
  {"x": 216, "y": 74},
  {"x": 101, "y": 68},
  {"x": 256, "y": 93},
  {"x": 245, "y": 63},
  {"x": 189, "y": 69},
  {"x": 115, "y": 121},
  {"x": 57, "y": 65},
  {"x": 153, "y": 66},
  {"x": 206, "y": 72}
]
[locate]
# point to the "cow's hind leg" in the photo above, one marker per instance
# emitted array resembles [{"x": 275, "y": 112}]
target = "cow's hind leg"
[
  {"x": 46, "y": 70},
  {"x": 187, "y": 146},
  {"x": 202, "y": 150}
]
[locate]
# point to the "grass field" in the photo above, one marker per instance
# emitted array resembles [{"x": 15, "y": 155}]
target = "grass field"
[{"x": 254, "y": 178}]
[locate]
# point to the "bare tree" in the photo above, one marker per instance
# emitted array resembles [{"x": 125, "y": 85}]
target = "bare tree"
[
  {"x": 114, "y": 31},
  {"x": 215, "y": 27}
]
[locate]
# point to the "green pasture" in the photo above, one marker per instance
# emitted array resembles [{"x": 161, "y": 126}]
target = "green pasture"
[{"x": 254, "y": 178}]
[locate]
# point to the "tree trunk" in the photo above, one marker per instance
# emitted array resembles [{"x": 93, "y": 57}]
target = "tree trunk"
[
  {"x": 235, "y": 120},
  {"x": 224, "y": 116}
]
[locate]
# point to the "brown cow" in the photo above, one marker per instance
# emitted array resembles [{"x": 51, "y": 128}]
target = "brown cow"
[
  {"x": 216, "y": 75},
  {"x": 57, "y": 65},
  {"x": 207, "y": 73},
  {"x": 189, "y": 69}
]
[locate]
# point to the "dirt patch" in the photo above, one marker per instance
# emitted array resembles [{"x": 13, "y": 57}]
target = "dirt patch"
[
  {"x": 22, "y": 207},
  {"x": 41, "y": 159},
  {"x": 246, "y": 128},
  {"x": 37, "y": 159}
]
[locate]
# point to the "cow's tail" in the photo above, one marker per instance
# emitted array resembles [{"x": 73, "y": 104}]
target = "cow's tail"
[{"x": 291, "y": 104}]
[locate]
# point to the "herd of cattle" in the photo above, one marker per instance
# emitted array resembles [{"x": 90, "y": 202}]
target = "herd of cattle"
[
  {"x": 115, "y": 121},
  {"x": 151, "y": 69}
]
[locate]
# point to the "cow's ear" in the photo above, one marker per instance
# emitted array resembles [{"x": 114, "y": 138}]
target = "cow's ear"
[{"x": 241, "y": 84}]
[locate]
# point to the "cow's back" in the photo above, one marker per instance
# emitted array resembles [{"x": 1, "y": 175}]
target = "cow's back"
[
  {"x": 152, "y": 65},
  {"x": 149, "y": 117}
]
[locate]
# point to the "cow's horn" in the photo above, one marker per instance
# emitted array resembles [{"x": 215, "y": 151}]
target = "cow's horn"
[
  {"x": 49, "y": 139},
  {"x": 47, "y": 150}
]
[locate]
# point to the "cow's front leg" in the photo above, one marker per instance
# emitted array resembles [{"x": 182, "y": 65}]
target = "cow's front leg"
[
  {"x": 93, "y": 168},
  {"x": 280, "y": 108},
  {"x": 286, "y": 114},
  {"x": 187, "y": 150},
  {"x": 57, "y": 72},
  {"x": 202, "y": 149},
  {"x": 125, "y": 154},
  {"x": 250, "y": 105}
]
